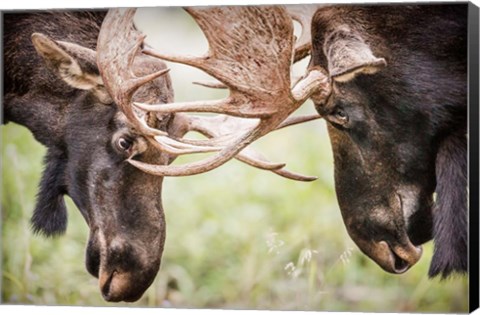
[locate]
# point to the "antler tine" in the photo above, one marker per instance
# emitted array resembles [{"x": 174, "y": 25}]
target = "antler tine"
[
  {"x": 175, "y": 147},
  {"x": 211, "y": 84},
  {"x": 254, "y": 158},
  {"x": 295, "y": 120},
  {"x": 118, "y": 45},
  {"x": 200, "y": 166},
  {"x": 227, "y": 106},
  {"x": 303, "y": 14}
]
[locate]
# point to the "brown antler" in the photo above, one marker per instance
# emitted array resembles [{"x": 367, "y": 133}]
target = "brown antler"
[
  {"x": 303, "y": 14},
  {"x": 117, "y": 46},
  {"x": 251, "y": 53},
  {"x": 251, "y": 50}
]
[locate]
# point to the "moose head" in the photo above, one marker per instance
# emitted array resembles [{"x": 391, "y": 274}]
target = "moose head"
[
  {"x": 397, "y": 124},
  {"x": 55, "y": 89}
]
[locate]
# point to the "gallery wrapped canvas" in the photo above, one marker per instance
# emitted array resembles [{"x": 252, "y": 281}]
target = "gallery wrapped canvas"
[{"x": 319, "y": 157}]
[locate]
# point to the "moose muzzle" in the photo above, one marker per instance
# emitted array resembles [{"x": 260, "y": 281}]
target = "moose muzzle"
[{"x": 124, "y": 268}]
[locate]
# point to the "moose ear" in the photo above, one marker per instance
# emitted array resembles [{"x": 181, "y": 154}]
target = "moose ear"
[
  {"x": 50, "y": 214},
  {"x": 74, "y": 64},
  {"x": 348, "y": 55}
]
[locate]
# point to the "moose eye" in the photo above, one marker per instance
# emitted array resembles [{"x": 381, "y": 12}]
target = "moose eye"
[
  {"x": 341, "y": 115},
  {"x": 338, "y": 117},
  {"x": 124, "y": 143}
]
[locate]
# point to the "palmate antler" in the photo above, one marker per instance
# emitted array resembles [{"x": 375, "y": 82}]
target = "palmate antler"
[{"x": 251, "y": 50}]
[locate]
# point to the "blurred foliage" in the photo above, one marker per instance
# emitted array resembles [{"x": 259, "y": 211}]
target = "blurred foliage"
[{"x": 237, "y": 238}]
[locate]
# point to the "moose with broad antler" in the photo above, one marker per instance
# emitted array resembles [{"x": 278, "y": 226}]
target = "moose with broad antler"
[{"x": 97, "y": 96}]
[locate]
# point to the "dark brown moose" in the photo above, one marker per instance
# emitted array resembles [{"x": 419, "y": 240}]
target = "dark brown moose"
[
  {"x": 53, "y": 87},
  {"x": 397, "y": 120},
  {"x": 72, "y": 77}
]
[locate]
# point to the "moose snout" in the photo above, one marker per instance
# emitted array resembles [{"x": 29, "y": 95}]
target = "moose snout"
[
  {"x": 381, "y": 229},
  {"x": 393, "y": 251},
  {"x": 124, "y": 270},
  {"x": 127, "y": 286},
  {"x": 393, "y": 256},
  {"x": 396, "y": 259}
]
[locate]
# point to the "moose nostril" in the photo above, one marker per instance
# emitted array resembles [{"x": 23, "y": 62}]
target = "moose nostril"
[
  {"x": 106, "y": 285},
  {"x": 400, "y": 265}
]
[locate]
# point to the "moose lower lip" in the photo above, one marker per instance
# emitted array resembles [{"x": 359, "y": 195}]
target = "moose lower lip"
[
  {"x": 120, "y": 287},
  {"x": 133, "y": 298}
]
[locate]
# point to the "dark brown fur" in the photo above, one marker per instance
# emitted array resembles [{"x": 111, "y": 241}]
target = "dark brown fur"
[{"x": 398, "y": 129}]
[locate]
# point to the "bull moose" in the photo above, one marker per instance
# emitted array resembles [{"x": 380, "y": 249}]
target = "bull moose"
[
  {"x": 71, "y": 79},
  {"x": 53, "y": 87},
  {"x": 397, "y": 121}
]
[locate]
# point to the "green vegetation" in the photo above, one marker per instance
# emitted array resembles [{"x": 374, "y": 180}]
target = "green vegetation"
[{"x": 237, "y": 238}]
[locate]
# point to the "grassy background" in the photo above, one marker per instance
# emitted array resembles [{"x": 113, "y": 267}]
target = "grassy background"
[{"x": 237, "y": 237}]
